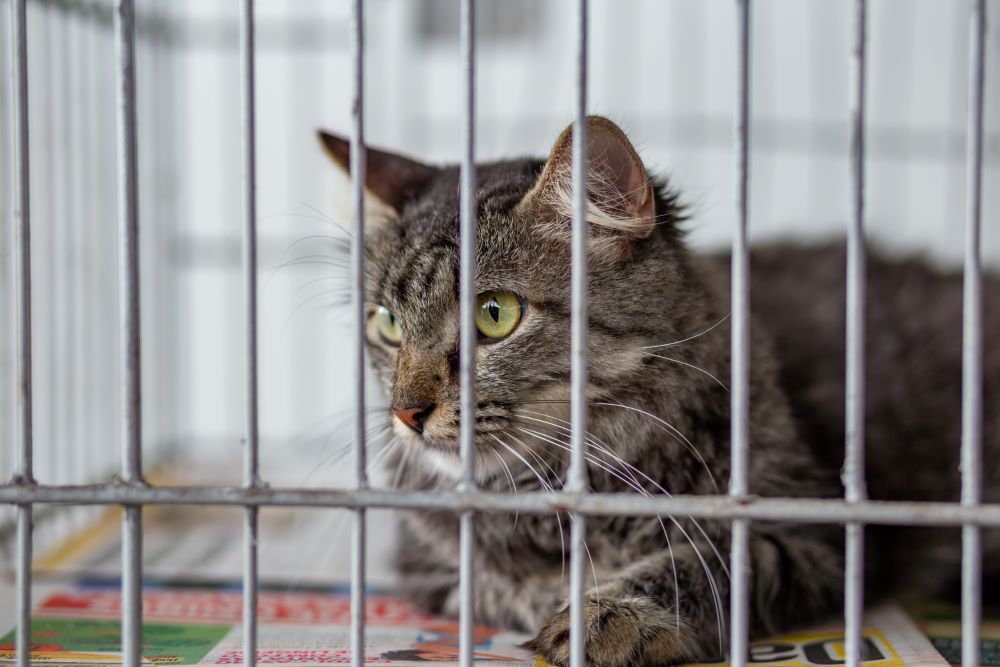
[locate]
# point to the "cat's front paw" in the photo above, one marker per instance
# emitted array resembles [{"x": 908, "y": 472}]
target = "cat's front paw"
[{"x": 626, "y": 631}]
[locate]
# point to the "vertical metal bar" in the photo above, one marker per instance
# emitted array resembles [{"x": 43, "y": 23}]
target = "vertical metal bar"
[
  {"x": 22, "y": 296},
  {"x": 854, "y": 458},
  {"x": 468, "y": 334},
  {"x": 8, "y": 401},
  {"x": 251, "y": 469},
  {"x": 128, "y": 231},
  {"x": 251, "y": 463},
  {"x": 358, "y": 170},
  {"x": 24, "y": 554},
  {"x": 22, "y": 236},
  {"x": 577, "y": 481},
  {"x": 128, "y": 228},
  {"x": 972, "y": 342},
  {"x": 740, "y": 352}
]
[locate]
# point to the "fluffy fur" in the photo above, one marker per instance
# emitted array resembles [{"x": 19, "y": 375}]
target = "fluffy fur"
[{"x": 658, "y": 364}]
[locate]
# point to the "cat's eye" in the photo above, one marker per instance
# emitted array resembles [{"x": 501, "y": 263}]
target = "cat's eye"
[
  {"x": 388, "y": 326},
  {"x": 497, "y": 314}
]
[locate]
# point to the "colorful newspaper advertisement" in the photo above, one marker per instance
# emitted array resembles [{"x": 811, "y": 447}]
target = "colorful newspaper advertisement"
[
  {"x": 197, "y": 623},
  {"x": 943, "y": 626}
]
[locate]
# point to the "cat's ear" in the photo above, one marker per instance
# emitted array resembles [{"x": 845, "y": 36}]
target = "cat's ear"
[
  {"x": 621, "y": 202},
  {"x": 392, "y": 178}
]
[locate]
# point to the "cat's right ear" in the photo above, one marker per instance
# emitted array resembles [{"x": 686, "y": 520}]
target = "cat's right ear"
[
  {"x": 392, "y": 179},
  {"x": 621, "y": 207}
]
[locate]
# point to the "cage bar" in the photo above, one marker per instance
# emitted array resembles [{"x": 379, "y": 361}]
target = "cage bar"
[
  {"x": 723, "y": 507},
  {"x": 972, "y": 343},
  {"x": 128, "y": 231},
  {"x": 578, "y": 344},
  {"x": 740, "y": 384},
  {"x": 577, "y": 476},
  {"x": 358, "y": 170},
  {"x": 854, "y": 457},
  {"x": 468, "y": 334},
  {"x": 22, "y": 238},
  {"x": 23, "y": 637},
  {"x": 251, "y": 471},
  {"x": 22, "y": 295}
]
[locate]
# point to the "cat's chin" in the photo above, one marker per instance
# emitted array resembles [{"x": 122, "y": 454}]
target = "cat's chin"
[
  {"x": 444, "y": 459},
  {"x": 444, "y": 462}
]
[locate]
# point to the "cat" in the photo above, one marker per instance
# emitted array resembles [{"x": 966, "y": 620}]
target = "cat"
[{"x": 658, "y": 402}]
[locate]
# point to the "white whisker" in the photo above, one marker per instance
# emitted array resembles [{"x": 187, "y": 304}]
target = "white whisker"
[
  {"x": 663, "y": 425},
  {"x": 716, "y": 596},
  {"x": 684, "y": 363},
  {"x": 558, "y": 515},
  {"x": 678, "y": 342}
]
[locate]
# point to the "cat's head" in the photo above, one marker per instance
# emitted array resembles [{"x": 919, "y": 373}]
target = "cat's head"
[{"x": 637, "y": 289}]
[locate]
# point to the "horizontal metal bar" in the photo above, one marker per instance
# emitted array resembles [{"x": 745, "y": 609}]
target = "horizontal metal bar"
[{"x": 792, "y": 510}]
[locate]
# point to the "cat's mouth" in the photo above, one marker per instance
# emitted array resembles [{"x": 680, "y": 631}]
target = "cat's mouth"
[
  {"x": 428, "y": 434},
  {"x": 445, "y": 439}
]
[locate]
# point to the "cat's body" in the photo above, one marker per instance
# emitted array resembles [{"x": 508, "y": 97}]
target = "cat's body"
[
  {"x": 658, "y": 405},
  {"x": 914, "y": 388}
]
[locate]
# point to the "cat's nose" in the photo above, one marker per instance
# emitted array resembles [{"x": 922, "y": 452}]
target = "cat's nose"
[{"x": 414, "y": 416}]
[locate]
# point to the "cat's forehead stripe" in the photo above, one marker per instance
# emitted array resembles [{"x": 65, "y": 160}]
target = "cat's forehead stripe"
[{"x": 410, "y": 279}]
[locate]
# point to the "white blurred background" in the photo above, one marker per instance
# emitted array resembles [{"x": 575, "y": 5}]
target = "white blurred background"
[{"x": 663, "y": 69}]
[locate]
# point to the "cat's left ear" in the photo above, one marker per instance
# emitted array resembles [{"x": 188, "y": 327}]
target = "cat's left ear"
[
  {"x": 621, "y": 204},
  {"x": 392, "y": 178}
]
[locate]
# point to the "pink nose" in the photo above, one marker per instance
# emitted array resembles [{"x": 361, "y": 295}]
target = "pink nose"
[{"x": 414, "y": 416}]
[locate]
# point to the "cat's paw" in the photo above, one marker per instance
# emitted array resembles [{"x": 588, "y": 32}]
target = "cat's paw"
[{"x": 627, "y": 631}]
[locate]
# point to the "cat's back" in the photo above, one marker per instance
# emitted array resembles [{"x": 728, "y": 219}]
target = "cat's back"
[{"x": 914, "y": 363}]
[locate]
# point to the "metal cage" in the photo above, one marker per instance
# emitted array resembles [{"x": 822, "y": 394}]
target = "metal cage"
[{"x": 132, "y": 492}]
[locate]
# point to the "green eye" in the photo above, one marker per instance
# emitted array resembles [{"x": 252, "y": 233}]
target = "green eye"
[
  {"x": 388, "y": 327},
  {"x": 497, "y": 313}
]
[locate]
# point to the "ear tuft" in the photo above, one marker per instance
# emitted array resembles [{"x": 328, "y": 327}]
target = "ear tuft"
[
  {"x": 392, "y": 178},
  {"x": 621, "y": 204}
]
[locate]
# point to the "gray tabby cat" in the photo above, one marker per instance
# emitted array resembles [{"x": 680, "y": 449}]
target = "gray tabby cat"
[{"x": 658, "y": 357}]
